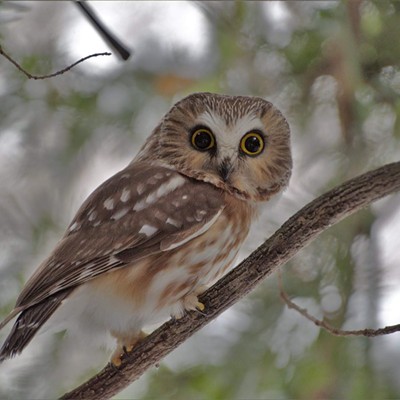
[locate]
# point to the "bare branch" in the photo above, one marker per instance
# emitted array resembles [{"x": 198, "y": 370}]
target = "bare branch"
[
  {"x": 60, "y": 72},
  {"x": 335, "y": 331},
  {"x": 115, "y": 43},
  {"x": 294, "y": 235}
]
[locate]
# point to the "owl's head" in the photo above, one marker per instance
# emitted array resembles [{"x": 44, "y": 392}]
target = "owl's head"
[{"x": 240, "y": 144}]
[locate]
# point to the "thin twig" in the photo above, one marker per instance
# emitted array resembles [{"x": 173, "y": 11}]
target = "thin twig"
[
  {"x": 60, "y": 72},
  {"x": 115, "y": 43},
  {"x": 294, "y": 235},
  {"x": 334, "y": 331}
]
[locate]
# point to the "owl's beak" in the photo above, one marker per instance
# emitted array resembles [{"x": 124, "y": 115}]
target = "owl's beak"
[{"x": 225, "y": 169}]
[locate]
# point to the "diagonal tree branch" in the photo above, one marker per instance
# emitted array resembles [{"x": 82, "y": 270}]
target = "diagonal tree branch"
[{"x": 295, "y": 234}]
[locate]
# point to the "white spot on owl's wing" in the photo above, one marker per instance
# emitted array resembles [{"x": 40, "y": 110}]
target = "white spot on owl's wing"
[
  {"x": 166, "y": 188},
  {"x": 74, "y": 227},
  {"x": 92, "y": 215},
  {"x": 140, "y": 188},
  {"x": 120, "y": 213},
  {"x": 162, "y": 191},
  {"x": 109, "y": 203},
  {"x": 148, "y": 230},
  {"x": 159, "y": 175},
  {"x": 125, "y": 195},
  {"x": 174, "y": 222}
]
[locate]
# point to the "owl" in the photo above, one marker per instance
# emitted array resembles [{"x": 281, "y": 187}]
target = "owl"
[{"x": 149, "y": 240}]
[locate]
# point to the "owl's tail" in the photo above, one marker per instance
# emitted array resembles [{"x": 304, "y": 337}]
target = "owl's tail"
[
  {"x": 9, "y": 317},
  {"x": 28, "y": 323}
]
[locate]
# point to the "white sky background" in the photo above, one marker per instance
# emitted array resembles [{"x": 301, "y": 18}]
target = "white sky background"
[
  {"x": 170, "y": 25},
  {"x": 182, "y": 26}
]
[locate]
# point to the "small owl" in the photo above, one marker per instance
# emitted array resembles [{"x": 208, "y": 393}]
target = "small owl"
[{"x": 154, "y": 236}]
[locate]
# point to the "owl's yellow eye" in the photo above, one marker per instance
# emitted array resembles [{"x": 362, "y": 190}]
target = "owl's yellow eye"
[
  {"x": 252, "y": 144},
  {"x": 203, "y": 139}
]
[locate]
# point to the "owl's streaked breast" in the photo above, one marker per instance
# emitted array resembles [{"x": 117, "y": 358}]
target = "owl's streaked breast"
[{"x": 155, "y": 288}]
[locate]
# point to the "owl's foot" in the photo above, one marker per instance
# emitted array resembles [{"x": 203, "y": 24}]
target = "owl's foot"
[
  {"x": 125, "y": 344},
  {"x": 200, "y": 306},
  {"x": 191, "y": 301}
]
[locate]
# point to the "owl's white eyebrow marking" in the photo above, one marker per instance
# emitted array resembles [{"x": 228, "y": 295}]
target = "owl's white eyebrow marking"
[
  {"x": 243, "y": 124},
  {"x": 163, "y": 190},
  {"x": 120, "y": 213},
  {"x": 109, "y": 203},
  {"x": 212, "y": 120},
  {"x": 148, "y": 230},
  {"x": 230, "y": 134},
  {"x": 125, "y": 195}
]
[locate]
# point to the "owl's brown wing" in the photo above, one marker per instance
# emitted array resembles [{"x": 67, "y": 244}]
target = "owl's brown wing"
[{"x": 141, "y": 210}]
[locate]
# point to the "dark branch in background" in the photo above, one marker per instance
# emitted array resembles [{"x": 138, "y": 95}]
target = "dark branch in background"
[
  {"x": 62, "y": 71},
  {"x": 109, "y": 38},
  {"x": 335, "y": 331},
  {"x": 116, "y": 44},
  {"x": 294, "y": 235}
]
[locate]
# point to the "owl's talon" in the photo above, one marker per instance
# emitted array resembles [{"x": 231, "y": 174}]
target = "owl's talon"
[
  {"x": 127, "y": 349},
  {"x": 200, "y": 306},
  {"x": 123, "y": 348},
  {"x": 116, "y": 361}
]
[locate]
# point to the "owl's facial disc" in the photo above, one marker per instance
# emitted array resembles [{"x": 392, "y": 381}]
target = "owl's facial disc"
[
  {"x": 239, "y": 144},
  {"x": 228, "y": 145}
]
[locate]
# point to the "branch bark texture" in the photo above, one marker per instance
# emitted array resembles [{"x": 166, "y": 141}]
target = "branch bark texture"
[{"x": 296, "y": 233}]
